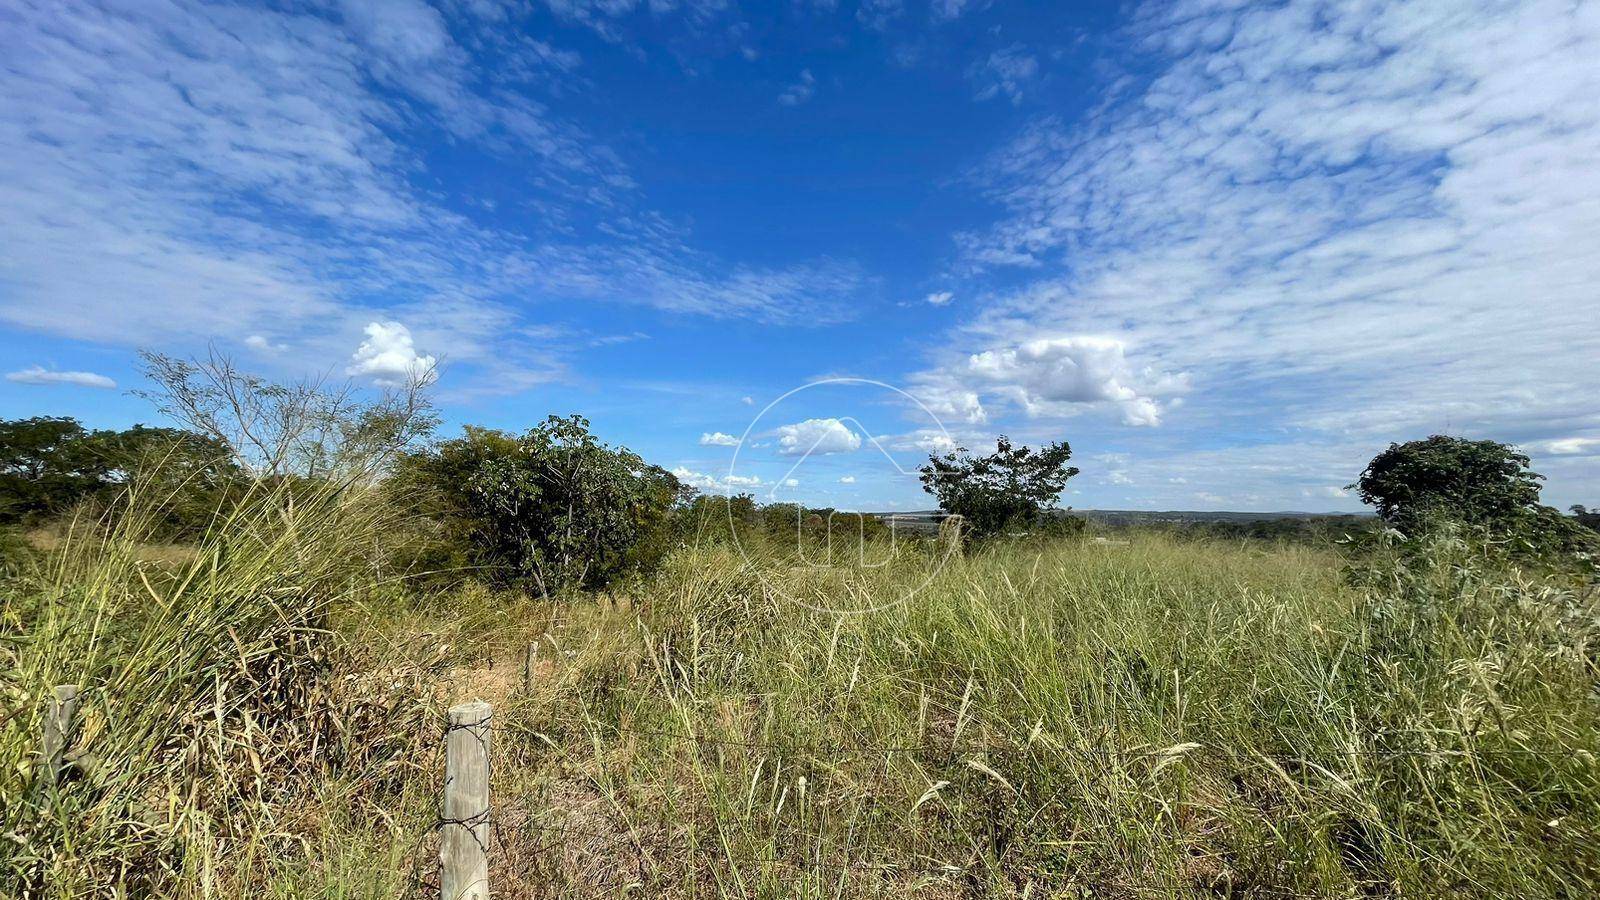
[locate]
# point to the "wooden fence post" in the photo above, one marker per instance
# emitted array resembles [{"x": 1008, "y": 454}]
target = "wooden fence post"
[
  {"x": 464, "y": 826},
  {"x": 530, "y": 659},
  {"x": 58, "y": 722}
]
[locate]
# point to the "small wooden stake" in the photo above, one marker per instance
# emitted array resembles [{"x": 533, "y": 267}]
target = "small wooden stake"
[
  {"x": 530, "y": 658},
  {"x": 58, "y": 721},
  {"x": 464, "y": 825}
]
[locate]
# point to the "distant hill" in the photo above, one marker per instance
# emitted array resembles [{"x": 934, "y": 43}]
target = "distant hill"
[
  {"x": 1180, "y": 517},
  {"x": 928, "y": 519}
]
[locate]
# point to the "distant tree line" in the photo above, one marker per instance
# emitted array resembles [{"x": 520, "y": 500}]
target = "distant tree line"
[
  {"x": 51, "y": 465},
  {"x": 555, "y": 509}
]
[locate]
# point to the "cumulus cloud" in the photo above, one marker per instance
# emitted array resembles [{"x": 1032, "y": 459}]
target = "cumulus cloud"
[
  {"x": 817, "y": 436},
  {"x": 940, "y": 298},
  {"x": 718, "y": 439},
  {"x": 1058, "y": 376},
  {"x": 711, "y": 484},
  {"x": 799, "y": 92},
  {"x": 261, "y": 344},
  {"x": 847, "y": 479},
  {"x": 390, "y": 357},
  {"x": 41, "y": 376}
]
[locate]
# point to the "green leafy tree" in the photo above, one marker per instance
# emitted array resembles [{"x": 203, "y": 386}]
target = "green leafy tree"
[
  {"x": 1588, "y": 518},
  {"x": 1482, "y": 483},
  {"x": 554, "y": 508},
  {"x": 1010, "y": 488},
  {"x": 48, "y": 465}
]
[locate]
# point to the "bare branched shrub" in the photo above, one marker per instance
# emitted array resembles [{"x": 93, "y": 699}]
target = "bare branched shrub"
[{"x": 307, "y": 428}]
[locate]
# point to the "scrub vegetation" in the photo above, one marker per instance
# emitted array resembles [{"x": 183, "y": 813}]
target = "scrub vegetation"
[{"x": 717, "y": 707}]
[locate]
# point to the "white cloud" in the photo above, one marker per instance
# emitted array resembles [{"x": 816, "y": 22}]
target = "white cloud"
[
  {"x": 940, "y": 298},
  {"x": 816, "y": 436},
  {"x": 42, "y": 376},
  {"x": 263, "y": 345},
  {"x": 1572, "y": 446},
  {"x": 180, "y": 171},
  {"x": 1344, "y": 221},
  {"x": 847, "y": 479},
  {"x": 949, "y": 10},
  {"x": 1005, "y": 72},
  {"x": 791, "y": 482},
  {"x": 718, "y": 439},
  {"x": 925, "y": 440},
  {"x": 1056, "y": 376},
  {"x": 711, "y": 484},
  {"x": 747, "y": 401},
  {"x": 799, "y": 92},
  {"x": 389, "y": 356},
  {"x": 950, "y": 399}
]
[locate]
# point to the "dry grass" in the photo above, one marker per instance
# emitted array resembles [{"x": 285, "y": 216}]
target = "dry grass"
[{"x": 1072, "y": 719}]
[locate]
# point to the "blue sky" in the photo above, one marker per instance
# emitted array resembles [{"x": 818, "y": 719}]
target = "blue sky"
[{"x": 1227, "y": 250}]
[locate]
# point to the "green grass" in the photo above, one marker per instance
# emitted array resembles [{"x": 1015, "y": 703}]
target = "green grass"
[{"x": 1162, "y": 719}]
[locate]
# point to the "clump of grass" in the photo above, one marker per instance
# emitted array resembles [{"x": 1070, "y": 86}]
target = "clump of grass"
[{"x": 207, "y": 691}]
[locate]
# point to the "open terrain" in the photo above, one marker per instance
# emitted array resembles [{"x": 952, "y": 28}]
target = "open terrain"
[{"x": 1163, "y": 718}]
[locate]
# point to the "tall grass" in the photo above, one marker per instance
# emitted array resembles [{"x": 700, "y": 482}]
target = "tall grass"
[
  {"x": 1168, "y": 719},
  {"x": 206, "y": 692},
  {"x": 1059, "y": 718}
]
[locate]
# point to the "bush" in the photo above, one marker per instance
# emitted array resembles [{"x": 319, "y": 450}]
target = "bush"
[
  {"x": 551, "y": 510},
  {"x": 1471, "y": 482},
  {"x": 1009, "y": 490},
  {"x": 1420, "y": 487}
]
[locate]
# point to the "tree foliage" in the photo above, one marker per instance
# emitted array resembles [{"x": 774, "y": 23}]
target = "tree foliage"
[
  {"x": 551, "y": 509},
  {"x": 1588, "y": 518},
  {"x": 1483, "y": 483},
  {"x": 1010, "y": 488},
  {"x": 48, "y": 465}
]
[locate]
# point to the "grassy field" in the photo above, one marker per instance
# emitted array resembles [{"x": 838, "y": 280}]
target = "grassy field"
[{"x": 1157, "y": 719}]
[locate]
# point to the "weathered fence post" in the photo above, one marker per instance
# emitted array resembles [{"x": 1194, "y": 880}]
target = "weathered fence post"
[
  {"x": 464, "y": 826},
  {"x": 530, "y": 658},
  {"x": 58, "y": 722}
]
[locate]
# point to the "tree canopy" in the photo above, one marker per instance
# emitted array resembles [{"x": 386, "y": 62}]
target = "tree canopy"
[
  {"x": 50, "y": 464},
  {"x": 553, "y": 508},
  {"x": 1007, "y": 489},
  {"x": 1473, "y": 482}
]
